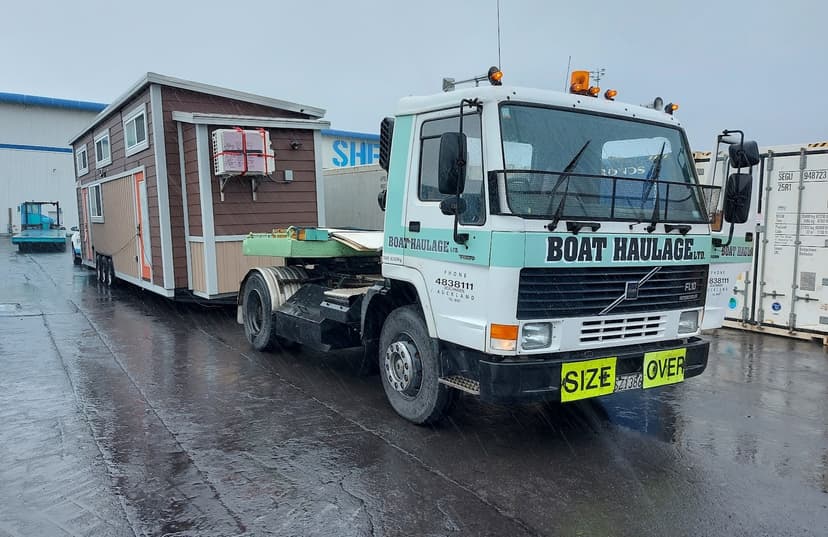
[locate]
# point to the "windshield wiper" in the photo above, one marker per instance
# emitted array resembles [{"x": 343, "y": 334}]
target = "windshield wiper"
[
  {"x": 655, "y": 171},
  {"x": 563, "y": 177}
]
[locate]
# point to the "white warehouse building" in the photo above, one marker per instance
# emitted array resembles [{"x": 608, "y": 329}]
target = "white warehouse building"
[{"x": 36, "y": 161}]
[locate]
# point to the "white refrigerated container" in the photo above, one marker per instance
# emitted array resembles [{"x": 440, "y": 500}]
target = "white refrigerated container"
[{"x": 785, "y": 290}]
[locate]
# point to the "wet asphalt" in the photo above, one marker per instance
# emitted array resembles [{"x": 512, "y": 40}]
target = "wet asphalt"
[{"x": 123, "y": 414}]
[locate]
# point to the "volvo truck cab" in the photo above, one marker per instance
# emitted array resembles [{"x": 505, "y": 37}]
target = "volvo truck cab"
[{"x": 537, "y": 245}]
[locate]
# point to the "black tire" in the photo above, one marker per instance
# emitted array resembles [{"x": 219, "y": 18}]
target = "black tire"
[
  {"x": 76, "y": 260},
  {"x": 257, "y": 311},
  {"x": 109, "y": 276},
  {"x": 418, "y": 397},
  {"x": 99, "y": 268}
]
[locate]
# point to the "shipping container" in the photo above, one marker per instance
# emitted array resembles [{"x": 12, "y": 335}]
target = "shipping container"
[{"x": 785, "y": 291}]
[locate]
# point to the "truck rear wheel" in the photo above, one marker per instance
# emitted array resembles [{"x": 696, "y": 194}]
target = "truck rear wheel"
[
  {"x": 258, "y": 314},
  {"x": 410, "y": 368}
]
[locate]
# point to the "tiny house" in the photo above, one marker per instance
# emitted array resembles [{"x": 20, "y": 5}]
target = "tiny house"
[{"x": 174, "y": 174}]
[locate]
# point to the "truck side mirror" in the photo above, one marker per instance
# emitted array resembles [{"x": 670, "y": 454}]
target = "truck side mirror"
[
  {"x": 737, "y": 197},
  {"x": 451, "y": 175},
  {"x": 386, "y": 133},
  {"x": 453, "y": 206},
  {"x": 744, "y": 155}
]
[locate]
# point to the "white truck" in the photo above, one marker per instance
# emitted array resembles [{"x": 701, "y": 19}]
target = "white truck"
[{"x": 537, "y": 245}]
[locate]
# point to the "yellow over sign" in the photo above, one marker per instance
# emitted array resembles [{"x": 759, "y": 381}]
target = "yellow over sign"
[
  {"x": 592, "y": 378},
  {"x": 664, "y": 367}
]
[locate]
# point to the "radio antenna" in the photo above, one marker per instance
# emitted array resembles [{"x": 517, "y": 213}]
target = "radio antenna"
[{"x": 499, "y": 64}]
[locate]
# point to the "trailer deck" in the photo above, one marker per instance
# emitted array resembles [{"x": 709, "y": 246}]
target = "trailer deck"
[{"x": 314, "y": 243}]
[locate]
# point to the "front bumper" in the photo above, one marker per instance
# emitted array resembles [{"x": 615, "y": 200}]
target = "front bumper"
[{"x": 540, "y": 378}]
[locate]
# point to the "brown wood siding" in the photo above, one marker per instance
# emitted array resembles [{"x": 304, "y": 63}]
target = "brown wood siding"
[
  {"x": 122, "y": 163},
  {"x": 191, "y": 165},
  {"x": 116, "y": 235},
  {"x": 231, "y": 265},
  {"x": 176, "y": 99},
  {"x": 278, "y": 204},
  {"x": 199, "y": 276}
]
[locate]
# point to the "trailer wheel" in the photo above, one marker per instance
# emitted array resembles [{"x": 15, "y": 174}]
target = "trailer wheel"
[
  {"x": 258, "y": 314},
  {"x": 99, "y": 268},
  {"x": 109, "y": 275},
  {"x": 410, "y": 368}
]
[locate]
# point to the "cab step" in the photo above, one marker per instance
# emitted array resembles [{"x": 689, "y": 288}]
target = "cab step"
[{"x": 461, "y": 383}]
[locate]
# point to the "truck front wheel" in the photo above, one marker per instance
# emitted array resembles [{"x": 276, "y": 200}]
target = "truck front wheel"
[
  {"x": 410, "y": 370},
  {"x": 258, "y": 314}
]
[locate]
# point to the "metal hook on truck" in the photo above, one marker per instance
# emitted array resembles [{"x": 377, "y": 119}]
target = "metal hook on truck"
[{"x": 473, "y": 286}]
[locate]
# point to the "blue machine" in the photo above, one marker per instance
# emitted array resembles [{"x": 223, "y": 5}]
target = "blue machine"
[{"x": 39, "y": 230}]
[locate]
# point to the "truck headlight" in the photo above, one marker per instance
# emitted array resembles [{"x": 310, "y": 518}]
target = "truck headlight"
[
  {"x": 536, "y": 336},
  {"x": 688, "y": 322}
]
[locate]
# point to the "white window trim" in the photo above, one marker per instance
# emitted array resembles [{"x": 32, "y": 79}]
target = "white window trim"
[
  {"x": 134, "y": 113},
  {"x": 89, "y": 191},
  {"x": 108, "y": 160},
  {"x": 81, "y": 171}
]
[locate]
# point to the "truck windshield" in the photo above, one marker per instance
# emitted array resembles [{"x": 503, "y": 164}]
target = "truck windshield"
[{"x": 627, "y": 170}]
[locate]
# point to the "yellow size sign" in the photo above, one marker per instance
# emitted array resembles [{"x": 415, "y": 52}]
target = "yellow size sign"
[
  {"x": 664, "y": 367},
  {"x": 581, "y": 380}
]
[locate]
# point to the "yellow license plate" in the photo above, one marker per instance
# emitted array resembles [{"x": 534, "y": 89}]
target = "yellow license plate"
[
  {"x": 592, "y": 378},
  {"x": 664, "y": 367}
]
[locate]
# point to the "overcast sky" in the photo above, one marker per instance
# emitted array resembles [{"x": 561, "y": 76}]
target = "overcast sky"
[{"x": 756, "y": 65}]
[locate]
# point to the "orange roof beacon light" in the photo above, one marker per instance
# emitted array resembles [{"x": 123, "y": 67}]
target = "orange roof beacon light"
[
  {"x": 670, "y": 108},
  {"x": 579, "y": 82},
  {"x": 495, "y": 76},
  {"x": 610, "y": 94}
]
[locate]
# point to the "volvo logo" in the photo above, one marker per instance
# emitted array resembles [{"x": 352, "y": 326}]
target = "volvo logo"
[{"x": 630, "y": 291}]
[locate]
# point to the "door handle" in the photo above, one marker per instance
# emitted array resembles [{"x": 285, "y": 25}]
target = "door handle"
[{"x": 414, "y": 226}]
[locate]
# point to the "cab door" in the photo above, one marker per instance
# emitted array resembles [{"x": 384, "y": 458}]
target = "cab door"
[{"x": 455, "y": 273}]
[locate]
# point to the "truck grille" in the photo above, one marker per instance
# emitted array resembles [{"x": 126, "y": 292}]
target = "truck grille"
[
  {"x": 596, "y": 331},
  {"x": 585, "y": 291}
]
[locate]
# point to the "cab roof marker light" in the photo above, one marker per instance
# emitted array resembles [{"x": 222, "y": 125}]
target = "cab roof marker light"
[
  {"x": 670, "y": 108},
  {"x": 610, "y": 94}
]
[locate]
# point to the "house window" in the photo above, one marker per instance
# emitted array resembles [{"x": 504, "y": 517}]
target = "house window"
[
  {"x": 103, "y": 151},
  {"x": 82, "y": 160},
  {"x": 95, "y": 203},
  {"x": 135, "y": 130}
]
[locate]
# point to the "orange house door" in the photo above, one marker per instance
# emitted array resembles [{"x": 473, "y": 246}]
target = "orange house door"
[
  {"x": 142, "y": 218},
  {"x": 86, "y": 244}
]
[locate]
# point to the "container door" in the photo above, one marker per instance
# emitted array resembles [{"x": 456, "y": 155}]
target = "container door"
[
  {"x": 142, "y": 218},
  {"x": 793, "y": 269}
]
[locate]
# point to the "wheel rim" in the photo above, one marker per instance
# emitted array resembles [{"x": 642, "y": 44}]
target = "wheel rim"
[
  {"x": 403, "y": 366},
  {"x": 255, "y": 311}
]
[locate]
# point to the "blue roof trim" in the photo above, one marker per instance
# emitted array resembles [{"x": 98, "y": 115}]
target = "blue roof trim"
[
  {"x": 51, "y": 102},
  {"x": 351, "y": 134},
  {"x": 37, "y": 148}
]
